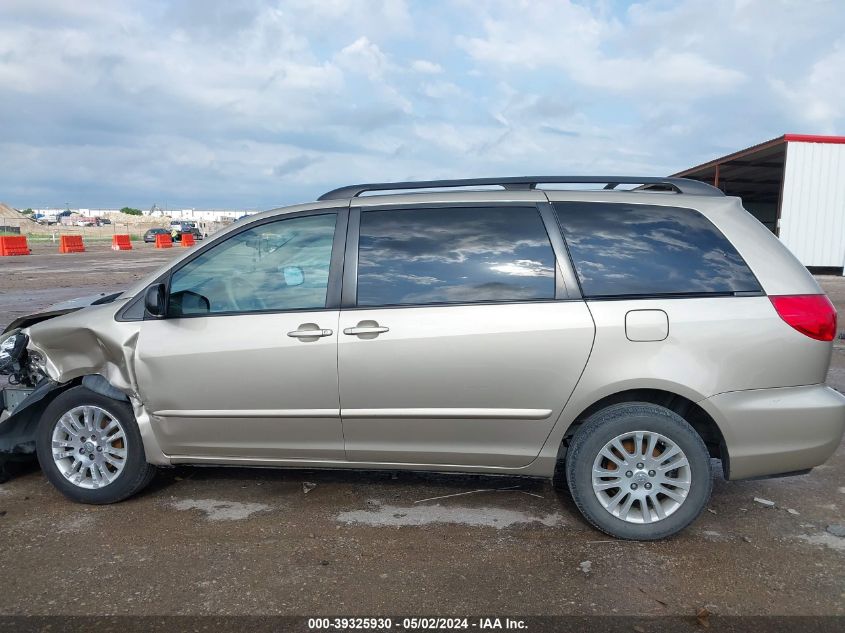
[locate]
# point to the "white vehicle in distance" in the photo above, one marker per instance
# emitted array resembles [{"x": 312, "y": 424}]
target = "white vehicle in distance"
[{"x": 183, "y": 226}]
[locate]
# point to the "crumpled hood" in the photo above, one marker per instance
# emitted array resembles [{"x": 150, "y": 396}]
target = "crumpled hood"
[
  {"x": 84, "y": 302},
  {"x": 63, "y": 307}
]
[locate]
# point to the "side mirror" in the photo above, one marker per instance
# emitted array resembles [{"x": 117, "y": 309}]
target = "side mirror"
[
  {"x": 187, "y": 302},
  {"x": 294, "y": 275},
  {"x": 154, "y": 301}
]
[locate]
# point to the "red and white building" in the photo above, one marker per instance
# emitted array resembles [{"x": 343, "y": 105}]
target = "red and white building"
[{"x": 795, "y": 185}]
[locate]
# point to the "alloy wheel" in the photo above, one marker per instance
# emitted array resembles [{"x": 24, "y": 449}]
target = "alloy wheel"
[
  {"x": 89, "y": 447},
  {"x": 641, "y": 477}
]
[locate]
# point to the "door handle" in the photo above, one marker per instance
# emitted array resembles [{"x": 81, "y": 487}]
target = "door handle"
[
  {"x": 309, "y": 333},
  {"x": 366, "y": 329}
]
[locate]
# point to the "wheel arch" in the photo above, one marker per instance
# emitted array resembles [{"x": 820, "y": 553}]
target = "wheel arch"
[{"x": 700, "y": 420}]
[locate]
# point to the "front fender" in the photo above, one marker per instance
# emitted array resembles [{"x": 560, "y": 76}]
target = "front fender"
[{"x": 88, "y": 341}]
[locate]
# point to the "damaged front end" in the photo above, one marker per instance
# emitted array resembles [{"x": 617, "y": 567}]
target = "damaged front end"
[
  {"x": 24, "y": 370},
  {"x": 23, "y": 400},
  {"x": 17, "y": 363},
  {"x": 43, "y": 354}
]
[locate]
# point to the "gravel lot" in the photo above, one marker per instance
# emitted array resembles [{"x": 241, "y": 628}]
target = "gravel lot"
[{"x": 237, "y": 541}]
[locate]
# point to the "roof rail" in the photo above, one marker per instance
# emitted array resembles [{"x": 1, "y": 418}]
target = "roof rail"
[{"x": 525, "y": 183}]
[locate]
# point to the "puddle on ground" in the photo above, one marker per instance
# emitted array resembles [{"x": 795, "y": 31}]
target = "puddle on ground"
[
  {"x": 713, "y": 535},
  {"x": 826, "y": 539},
  {"x": 75, "y": 525},
  {"x": 395, "y": 516},
  {"x": 216, "y": 510}
]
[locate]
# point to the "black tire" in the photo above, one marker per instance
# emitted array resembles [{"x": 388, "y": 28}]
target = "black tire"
[
  {"x": 616, "y": 420},
  {"x": 136, "y": 473}
]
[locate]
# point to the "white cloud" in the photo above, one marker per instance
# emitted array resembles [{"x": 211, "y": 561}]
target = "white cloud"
[
  {"x": 818, "y": 98},
  {"x": 564, "y": 36},
  {"x": 426, "y": 67},
  {"x": 441, "y": 90},
  {"x": 363, "y": 56},
  {"x": 375, "y": 19},
  {"x": 260, "y": 102},
  {"x": 524, "y": 268}
]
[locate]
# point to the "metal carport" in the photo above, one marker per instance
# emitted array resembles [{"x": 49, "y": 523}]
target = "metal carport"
[{"x": 795, "y": 185}]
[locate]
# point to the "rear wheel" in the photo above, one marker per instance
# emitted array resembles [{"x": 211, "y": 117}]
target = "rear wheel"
[
  {"x": 638, "y": 471},
  {"x": 90, "y": 448}
]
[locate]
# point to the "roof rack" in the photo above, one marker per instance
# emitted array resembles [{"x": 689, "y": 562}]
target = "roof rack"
[{"x": 527, "y": 183}]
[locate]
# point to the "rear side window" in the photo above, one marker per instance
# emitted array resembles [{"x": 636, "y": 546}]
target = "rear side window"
[
  {"x": 454, "y": 255},
  {"x": 646, "y": 250}
]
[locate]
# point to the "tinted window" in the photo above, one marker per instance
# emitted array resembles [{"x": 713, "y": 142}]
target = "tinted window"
[
  {"x": 454, "y": 255},
  {"x": 621, "y": 249},
  {"x": 281, "y": 265}
]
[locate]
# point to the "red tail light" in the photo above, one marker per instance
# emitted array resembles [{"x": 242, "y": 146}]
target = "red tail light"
[{"x": 813, "y": 315}]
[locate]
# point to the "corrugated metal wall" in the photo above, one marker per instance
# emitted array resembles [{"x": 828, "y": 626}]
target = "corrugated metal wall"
[{"x": 812, "y": 220}]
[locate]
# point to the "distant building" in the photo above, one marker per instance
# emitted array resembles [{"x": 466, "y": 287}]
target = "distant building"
[
  {"x": 209, "y": 215},
  {"x": 205, "y": 215},
  {"x": 91, "y": 213}
]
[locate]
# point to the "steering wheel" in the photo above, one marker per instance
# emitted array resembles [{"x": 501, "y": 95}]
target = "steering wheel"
[{"x": 240, "y": 290}]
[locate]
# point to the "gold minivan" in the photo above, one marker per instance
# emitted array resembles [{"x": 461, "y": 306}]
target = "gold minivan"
[{"x": 629, "y": 335}]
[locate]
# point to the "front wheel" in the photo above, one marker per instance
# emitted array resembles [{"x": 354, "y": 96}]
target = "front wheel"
[
  {"x": 638, "y": 471},
  {"x": 90, "y": 448}
]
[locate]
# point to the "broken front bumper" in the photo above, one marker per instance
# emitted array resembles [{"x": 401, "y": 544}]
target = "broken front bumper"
[
  {"x": 10, "y": 399},
  {"x": 19, "y": 416}
]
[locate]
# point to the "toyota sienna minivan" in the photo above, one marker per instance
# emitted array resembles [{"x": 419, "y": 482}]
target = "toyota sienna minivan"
[{"x": 620, "y": 338}]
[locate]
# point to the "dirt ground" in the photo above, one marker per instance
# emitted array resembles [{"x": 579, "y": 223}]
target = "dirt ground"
[{"x": 248, "y": 541}]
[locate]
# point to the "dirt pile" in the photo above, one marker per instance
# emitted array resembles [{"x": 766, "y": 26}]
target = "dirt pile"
[
  {"x": 10, "y": 217},
  {"x": 7, "y": 212}
]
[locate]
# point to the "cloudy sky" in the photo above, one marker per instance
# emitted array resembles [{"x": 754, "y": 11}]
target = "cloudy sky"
[{"x": 254, "y": 103}]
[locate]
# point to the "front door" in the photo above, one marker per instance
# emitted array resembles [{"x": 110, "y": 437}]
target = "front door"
[
  {"x": 462, "y": 347},
  {"x": 245, "y": 364}
]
